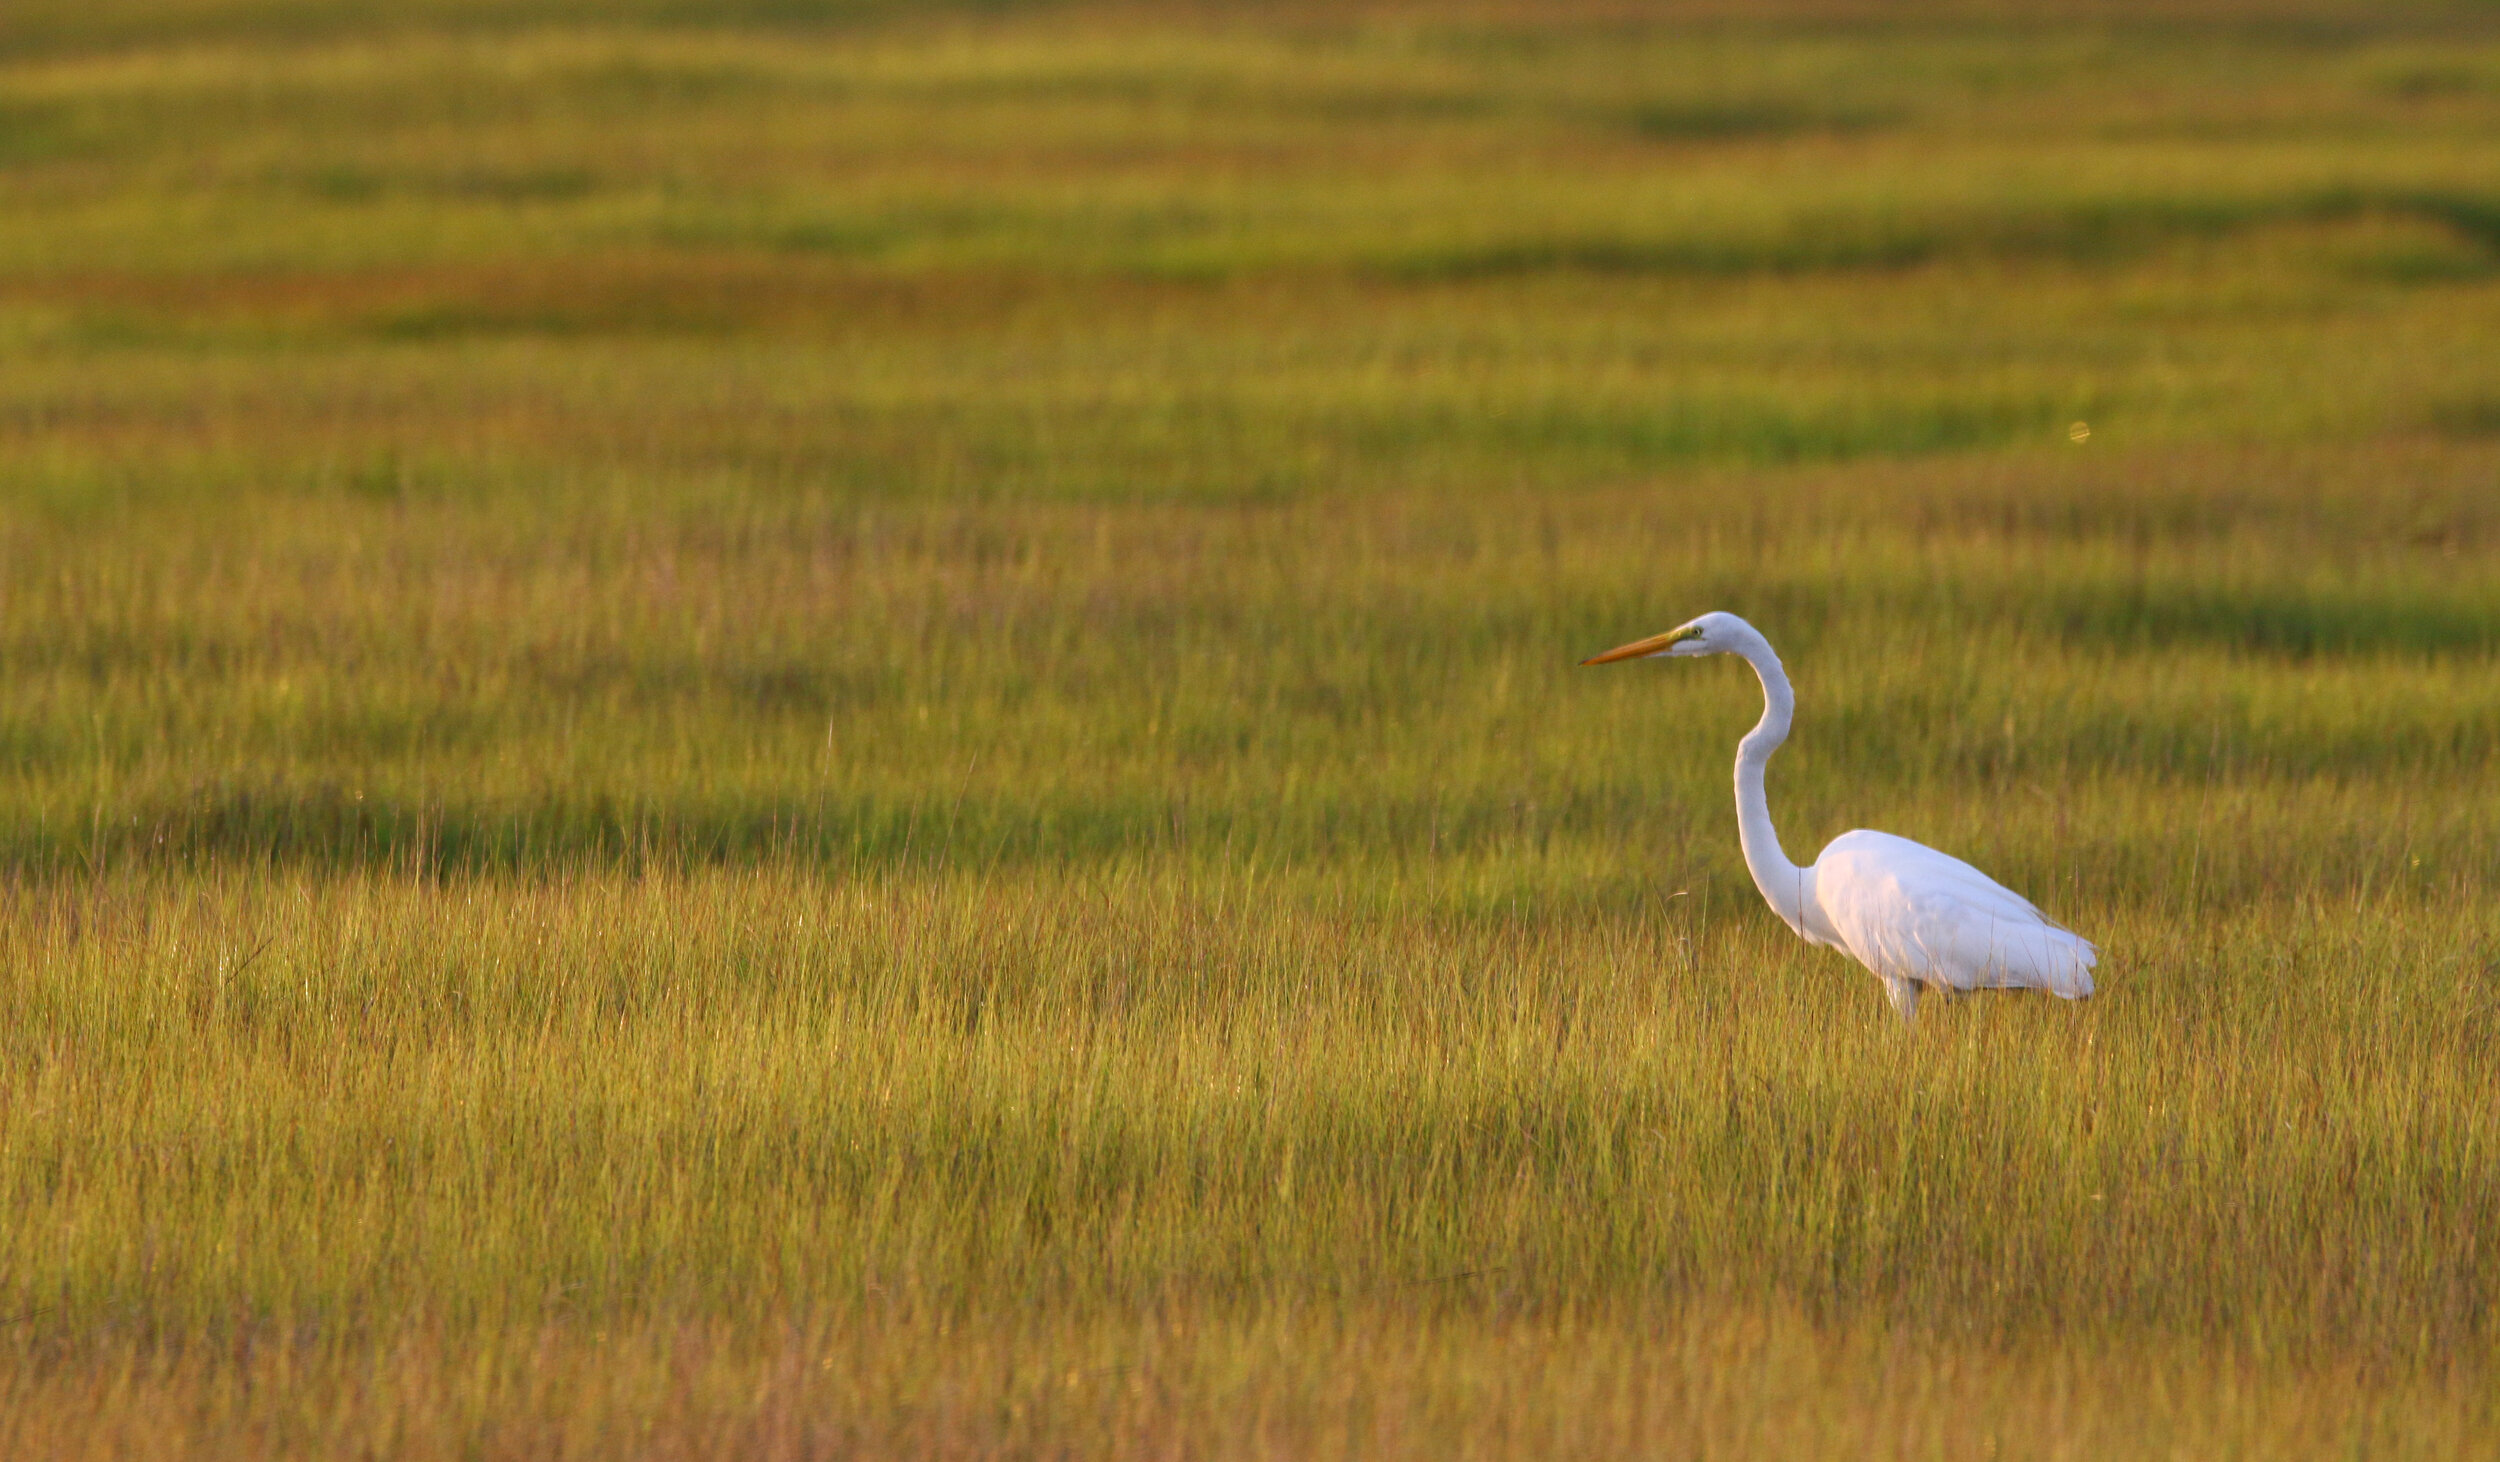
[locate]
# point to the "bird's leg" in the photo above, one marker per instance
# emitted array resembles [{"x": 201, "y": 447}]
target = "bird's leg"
[{"x": 1904, "y": 996}]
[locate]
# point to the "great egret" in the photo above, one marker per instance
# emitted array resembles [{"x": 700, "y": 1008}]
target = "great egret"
[{"x": 1909, "y": 913}]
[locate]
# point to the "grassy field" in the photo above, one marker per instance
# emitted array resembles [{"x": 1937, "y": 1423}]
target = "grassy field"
[{"x": 785, "y": 731}]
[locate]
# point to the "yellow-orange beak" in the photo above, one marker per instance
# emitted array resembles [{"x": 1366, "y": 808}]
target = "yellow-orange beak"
[{"x": 1638, "y": 648}]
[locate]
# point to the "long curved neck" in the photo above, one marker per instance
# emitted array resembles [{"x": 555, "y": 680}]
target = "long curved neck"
[{"x": 1783, "y": 883}]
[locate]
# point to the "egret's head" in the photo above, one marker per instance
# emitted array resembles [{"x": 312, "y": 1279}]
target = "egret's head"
[{"x": 1714, "y": 633}]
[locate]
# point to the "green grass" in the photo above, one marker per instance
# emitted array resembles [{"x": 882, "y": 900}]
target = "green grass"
[{"x": 854, "y": 732}]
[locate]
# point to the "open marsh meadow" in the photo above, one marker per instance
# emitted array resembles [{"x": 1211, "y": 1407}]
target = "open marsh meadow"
[{"x": 800, "y": 729}]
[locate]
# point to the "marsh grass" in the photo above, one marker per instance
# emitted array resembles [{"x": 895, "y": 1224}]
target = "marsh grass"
[{"x": 809, "y": 737}]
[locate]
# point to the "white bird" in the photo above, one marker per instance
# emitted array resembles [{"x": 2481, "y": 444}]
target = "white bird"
[{"x": 1914, "y": 916}]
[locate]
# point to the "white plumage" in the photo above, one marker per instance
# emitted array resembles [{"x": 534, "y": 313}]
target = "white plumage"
[
  {"x": 1919, "y": 917},
  {"x": 1916, "y": 917}
]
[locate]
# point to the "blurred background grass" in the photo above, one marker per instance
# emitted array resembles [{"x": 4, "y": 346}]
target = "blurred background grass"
[{"x": 814, "y": 730}]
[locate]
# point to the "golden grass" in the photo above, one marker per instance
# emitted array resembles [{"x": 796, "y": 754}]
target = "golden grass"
[
  {"x": 1130, "y": 1164},
  {"x": 1471, "y": 1381}
]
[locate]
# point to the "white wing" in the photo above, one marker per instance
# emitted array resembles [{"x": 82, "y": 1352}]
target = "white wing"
[{"x": 1919, "y": 917}]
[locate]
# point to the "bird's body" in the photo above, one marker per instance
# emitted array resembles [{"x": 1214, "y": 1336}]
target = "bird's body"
[{"x": 1916, "y": 917}]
